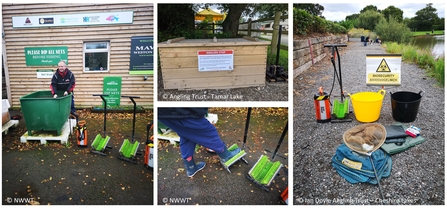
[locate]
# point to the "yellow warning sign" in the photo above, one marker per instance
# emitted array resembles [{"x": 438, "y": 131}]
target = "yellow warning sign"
[
  {"x": 383, "y": 67},
  {"x": 383, "y": 79}
]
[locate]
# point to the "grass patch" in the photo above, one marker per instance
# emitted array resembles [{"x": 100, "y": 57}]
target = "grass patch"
[
  {"x": 419, "y": 33},
  {"x": 359, "y": 32},
  {"x": 434, "y": 67},
  {"x": 282, "y": 61}
]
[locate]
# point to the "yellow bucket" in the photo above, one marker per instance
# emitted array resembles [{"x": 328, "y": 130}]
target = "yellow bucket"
[{"x": 367, "y": 105}]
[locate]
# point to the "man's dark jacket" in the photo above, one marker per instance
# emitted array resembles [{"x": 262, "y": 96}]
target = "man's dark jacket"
[{"x": 62, "y": 81}]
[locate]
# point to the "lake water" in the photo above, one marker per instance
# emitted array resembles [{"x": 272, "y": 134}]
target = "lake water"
[{"x": 434, "y": 43}]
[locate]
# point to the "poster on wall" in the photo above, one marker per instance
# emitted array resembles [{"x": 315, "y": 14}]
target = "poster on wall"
[
  {"x": 46, "y": 56},
  {"x": 112, "y": 88},
  {"x": 142, "y": 55},
  {"x": 80, "y": 19}
]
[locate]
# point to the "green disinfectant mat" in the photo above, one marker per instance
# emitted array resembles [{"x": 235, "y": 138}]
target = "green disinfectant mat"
[{"x": 264, "y": 170}]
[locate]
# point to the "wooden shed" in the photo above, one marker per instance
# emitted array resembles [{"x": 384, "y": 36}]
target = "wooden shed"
[
  {"x": 233, "y": 63},
  {"x": 96, "y": 40}
]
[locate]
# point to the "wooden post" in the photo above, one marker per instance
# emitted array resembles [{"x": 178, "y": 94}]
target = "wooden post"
[
  {"x": 274, "y": 42},
  {"x": 5, "y": 64},
  {"x": 249, "y": 28}
]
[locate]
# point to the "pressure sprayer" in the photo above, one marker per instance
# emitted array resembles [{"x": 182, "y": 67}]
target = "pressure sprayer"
[
  {"x": 149, "y": 151},
  {"x": 81, "y": 134},
  {"x": 322, "y": 106}
]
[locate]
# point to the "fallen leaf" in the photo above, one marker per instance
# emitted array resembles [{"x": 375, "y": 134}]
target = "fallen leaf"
[{"x": 34, "y": 203}]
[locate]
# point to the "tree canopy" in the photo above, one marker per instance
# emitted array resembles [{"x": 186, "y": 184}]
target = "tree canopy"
[
  {"x": 393, "y": 11},
  {"x": 369, "y": 19},
  {"x": 426, "y": 18},
  {"x": 369, "y": 7},
  {"x": 313, "y": 9}
]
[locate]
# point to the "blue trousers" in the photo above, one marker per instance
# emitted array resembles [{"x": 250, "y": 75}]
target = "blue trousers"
[
  {"x": 73, "y": 109},
  {"x": 195, "y": 131}
]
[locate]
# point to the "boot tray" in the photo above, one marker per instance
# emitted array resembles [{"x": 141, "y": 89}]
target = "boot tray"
[
  {"x": 100, "y": 143},
  {"x": 264, "y": 171},
  {"x": 237, "y": 157},
  {"x": 129, "y": 150}
]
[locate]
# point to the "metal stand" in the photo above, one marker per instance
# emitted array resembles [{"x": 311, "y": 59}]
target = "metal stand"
[{"x": 276, "y": 73}]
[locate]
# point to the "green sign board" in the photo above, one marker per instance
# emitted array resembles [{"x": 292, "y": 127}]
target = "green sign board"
[
  {"x": 112, "y": 87},
  {"x": 46, "y": 56}
]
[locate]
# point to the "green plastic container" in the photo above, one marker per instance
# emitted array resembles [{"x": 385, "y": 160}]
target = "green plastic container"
[{"x": 42, "y": 112}]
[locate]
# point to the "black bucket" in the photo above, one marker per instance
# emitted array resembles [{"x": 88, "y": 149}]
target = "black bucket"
[{"x": 405, "y": 105}]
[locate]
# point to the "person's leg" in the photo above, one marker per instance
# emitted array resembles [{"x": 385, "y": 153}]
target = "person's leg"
[
  {"x": 202, "y": 132},
  {"x": 187, "y": 149},
  {"x": 199, "y": 131},
  {"x": 73, "y": 109}
]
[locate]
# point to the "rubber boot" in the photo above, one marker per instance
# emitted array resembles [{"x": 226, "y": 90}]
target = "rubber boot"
[
  {"x": 191, "y": 167},
  {"x": 227, "y": 155}
]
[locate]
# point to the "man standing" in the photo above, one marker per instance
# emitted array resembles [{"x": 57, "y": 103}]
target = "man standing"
[{"x": 63, "y": 80}]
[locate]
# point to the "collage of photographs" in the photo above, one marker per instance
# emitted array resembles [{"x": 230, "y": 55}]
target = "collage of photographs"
[{"x": 164, "y": 103}]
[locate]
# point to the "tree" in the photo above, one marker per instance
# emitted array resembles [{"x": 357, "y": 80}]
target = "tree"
[
  {"x": 269, "y": 10},
  {"x": 426, "y": 18},
  {"x": 369, "y": 7},
  {"x": 393, "y": 11},
  {"x": 369, "y": 19},
  {"x": 313, "y": 9},
  {"x": 393, "y": 31},
  {"x": 234, "y": 12},
  {"x": 276, "y": 11},
  {"x": 352, "y": 17},
  {"x": 174, "y": 26}
]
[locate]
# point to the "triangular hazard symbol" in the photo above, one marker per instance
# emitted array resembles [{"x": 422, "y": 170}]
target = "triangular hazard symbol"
[{"x": 383, "y": 67}]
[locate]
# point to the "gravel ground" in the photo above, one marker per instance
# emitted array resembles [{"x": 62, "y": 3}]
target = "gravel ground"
[
  {"x": 271, "y": 91},
  {"x": 417, "y": 175}
]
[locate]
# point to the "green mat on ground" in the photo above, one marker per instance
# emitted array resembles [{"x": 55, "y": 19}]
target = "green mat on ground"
[{"x": 392, "y": 148}]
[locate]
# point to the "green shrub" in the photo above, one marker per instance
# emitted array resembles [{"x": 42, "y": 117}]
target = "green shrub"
[
  {"x": 393, "y": 31},
  {"x": 301, "y": 21},
  {"x": 439, "y": 70}
]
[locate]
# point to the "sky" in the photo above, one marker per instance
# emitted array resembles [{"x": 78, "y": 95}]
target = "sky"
[{"x": 338, "y": 11}]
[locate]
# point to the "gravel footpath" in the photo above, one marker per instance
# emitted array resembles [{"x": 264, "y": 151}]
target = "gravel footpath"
[
  {"x": 417, "y": 175},
  {"x": 271, "y": 91}
]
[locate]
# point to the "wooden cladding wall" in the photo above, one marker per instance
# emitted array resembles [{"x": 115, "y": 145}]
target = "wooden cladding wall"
[
  {"x": 23, "y": 79},
  {"x": 179, "y": 64}
]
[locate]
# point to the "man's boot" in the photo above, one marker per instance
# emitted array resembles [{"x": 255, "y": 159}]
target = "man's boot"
[
  {"x": 225, "y": 155},
  {"x": 191, "y": 167}
]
